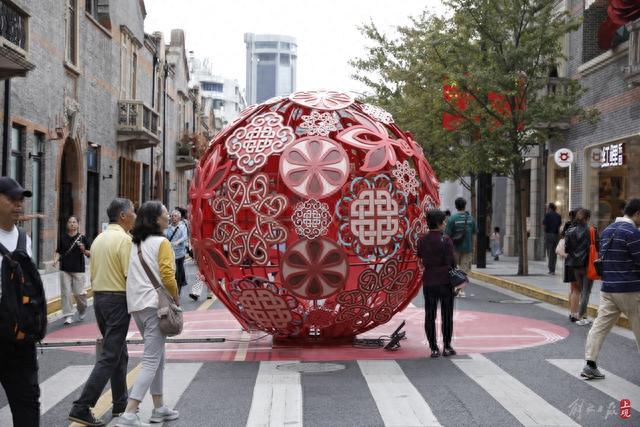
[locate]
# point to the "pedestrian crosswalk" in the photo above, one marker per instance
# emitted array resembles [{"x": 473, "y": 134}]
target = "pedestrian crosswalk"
[{"x": 393, "y": 394}]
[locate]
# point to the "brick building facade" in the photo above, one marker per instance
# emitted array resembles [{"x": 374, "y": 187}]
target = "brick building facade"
[
  {"x": 606, "y": 153},
  {"x": 106, "y": 109}
]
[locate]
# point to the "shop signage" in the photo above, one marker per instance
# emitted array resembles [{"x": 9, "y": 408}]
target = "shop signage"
[
  {"x": 612, "y": 155},
  {"x": 564, "y": 157}
]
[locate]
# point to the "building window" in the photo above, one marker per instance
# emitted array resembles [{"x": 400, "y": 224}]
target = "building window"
[
  {"x": 71, "y": 32},
  {"x": 128, "y": 66},
  {"x": 218, "y": 103},
  {"x": 16, "y": 167},
  {"x": 285, "y": 59},
  {"x": 129, "y": 180},
  {"x": 266, "y": 45},
  {"x": 284, "y": 45},
  {"x": 14, "y": 25},
  {"x": 212, "y": 87}
]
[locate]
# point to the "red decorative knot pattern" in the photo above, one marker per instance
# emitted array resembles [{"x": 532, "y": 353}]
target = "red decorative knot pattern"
[
  {"x": 381, "y": 292},
  {"x": 314, "y": 269},
  {"x": 311, "y": 219},
  {"x": 419, "y": 224},
  {"x": 266, "y": 307},
  {"x": 427, "y": 175},
  {"x": 373, "y": 218},
  {"x": 246, "y": 246},
  {"x": 406, "y": 178},
  {"x": 378, "y": 113},
  {"x": 208, "y": 177},
  {"x": 319, "y": 124},
  {"x": 320, "y": 317},
  {"x": 254, "y": 143},
  {"x": 380, "y": 148},
  {"x": 314, "y": 167},
  {"x": 322, "y": 100}
]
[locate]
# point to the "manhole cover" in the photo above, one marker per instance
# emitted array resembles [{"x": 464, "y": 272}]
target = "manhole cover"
[
  {"x": 311, "y": 367},
  {"x": 515, "y": 301}
]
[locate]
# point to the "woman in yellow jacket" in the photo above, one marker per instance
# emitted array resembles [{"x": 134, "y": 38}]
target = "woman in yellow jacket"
[{"x": 142, "y": 302}]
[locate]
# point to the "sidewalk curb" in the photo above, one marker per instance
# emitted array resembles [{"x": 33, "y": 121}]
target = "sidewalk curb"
[
  {"x": 539, "y": 294},
  {"x": 55, "y": 304}
]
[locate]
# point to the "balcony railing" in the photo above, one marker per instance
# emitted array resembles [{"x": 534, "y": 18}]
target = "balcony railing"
[
  {"x": 185, "y": 159},
  {"x": 137, "y": 124},
  {"x": 556, "y": 86},
  {"x": 13, "y": 24},
  {"x": 632, "y": 70}
]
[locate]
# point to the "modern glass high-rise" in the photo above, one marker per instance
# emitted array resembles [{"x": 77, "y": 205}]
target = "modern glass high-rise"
[{"x": 271, "y": 66}]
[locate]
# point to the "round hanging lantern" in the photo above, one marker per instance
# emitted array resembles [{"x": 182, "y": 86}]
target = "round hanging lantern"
[{"x": 306, "y": 212}]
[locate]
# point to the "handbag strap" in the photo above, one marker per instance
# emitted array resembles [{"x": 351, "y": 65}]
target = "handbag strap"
[
  {"x": 606, "y": 249},
  {"x": 72, "y": 245},
  {"x": 145, "y": 266}
]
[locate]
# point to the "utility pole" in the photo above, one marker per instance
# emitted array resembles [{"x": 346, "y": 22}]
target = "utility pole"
[{"x": 164, "y": 134}]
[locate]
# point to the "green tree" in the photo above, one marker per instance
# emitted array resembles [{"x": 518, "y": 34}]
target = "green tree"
[{"x": 498, "y": 54}]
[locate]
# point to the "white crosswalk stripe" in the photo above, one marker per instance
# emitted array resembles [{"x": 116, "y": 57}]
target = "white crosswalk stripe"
[
  {"x": 177, "y": 377},
  {"x": 399, "y": 402},
  {"x": 524, "y": 404},
  {"x": 277, "y": 397},
  {"x": 54, "y": 389},
  {"x": 612, "y": 385}
]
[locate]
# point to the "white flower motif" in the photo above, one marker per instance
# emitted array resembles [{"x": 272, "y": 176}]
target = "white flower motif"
[
  {"x": 406, "y": 178},
  {"x": 378, "y": 113},
  {"x": 319, "y": 124}
]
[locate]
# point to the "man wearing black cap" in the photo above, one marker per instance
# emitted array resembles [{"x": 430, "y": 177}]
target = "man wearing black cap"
[{"x": 18, "y": 361}]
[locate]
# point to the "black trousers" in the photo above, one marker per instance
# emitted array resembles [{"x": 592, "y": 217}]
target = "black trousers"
[
  {"x": 181, "y": 276},
  {"x": 19, "y": 378},
  {"x": 444, "y": 295},
  {"x": 550, "y": 243},
  {"x": 111, "y": 364}
]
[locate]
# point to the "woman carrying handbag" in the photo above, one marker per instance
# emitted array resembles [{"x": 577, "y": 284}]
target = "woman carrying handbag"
[
  {"x": 435, "y": 250},
  {"x": 152, "y": 261}
]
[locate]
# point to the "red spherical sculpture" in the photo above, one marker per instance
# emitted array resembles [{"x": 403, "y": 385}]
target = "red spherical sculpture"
[{"x": 306, "y": 212}]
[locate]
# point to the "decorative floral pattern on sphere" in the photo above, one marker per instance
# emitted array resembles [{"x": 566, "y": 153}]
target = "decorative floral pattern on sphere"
[
  {"x": 314, "y": 167},
  {"x": 314, "y": 269},
  {"x": 306, "y": 212},
  {"x": 254, "y": 143},
  {"x": 322, "y": 99},
  {"x": 311, "y": 219}
]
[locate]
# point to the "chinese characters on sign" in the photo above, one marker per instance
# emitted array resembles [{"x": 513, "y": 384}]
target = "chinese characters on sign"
[{"x": 612, "y": 155}]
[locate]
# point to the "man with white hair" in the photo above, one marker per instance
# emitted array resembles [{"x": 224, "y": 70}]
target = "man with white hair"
[{"x": 177, "y": 235}]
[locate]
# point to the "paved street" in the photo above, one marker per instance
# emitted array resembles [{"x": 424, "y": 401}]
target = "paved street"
[{"x": 533, "y": 383}]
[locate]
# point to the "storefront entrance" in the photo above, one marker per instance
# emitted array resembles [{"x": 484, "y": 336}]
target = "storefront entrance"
[{"x": 613, "y": 178}]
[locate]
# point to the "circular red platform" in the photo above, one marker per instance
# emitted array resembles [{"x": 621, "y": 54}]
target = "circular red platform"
[{"x": 474, "y": 332}]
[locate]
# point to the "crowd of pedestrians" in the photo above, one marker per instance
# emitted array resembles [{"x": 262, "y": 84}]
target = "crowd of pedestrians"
[{"x": 144, "y": 250}]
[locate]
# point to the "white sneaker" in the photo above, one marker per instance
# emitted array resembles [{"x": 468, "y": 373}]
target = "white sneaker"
[
  {"x": 127, "y": 419},
  {"x": 461, "y": 294},
  {"x": 68, "y": 320},
  {"x": 583, "y": 322},
  {"x": 163, "y": 413},
  {"x": 82, "y": 316}
]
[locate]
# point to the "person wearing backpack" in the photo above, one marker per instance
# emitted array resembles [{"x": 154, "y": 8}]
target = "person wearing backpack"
[
  {"x": 21, "y": 325},
  {"x": 109, "y": 264},
  {"x": 620, "y": 291},
  {"x": 460, "y": 228}
]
